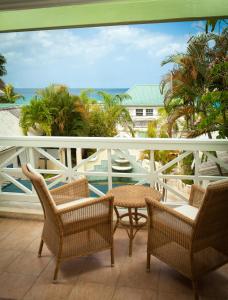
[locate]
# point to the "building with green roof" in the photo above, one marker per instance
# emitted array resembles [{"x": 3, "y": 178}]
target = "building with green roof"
[{"x": 144, "y": 103}]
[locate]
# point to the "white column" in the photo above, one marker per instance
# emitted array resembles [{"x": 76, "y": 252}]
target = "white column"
[
  {"x": 69, "y": 165},
  {"x": 109, "y": 169}
]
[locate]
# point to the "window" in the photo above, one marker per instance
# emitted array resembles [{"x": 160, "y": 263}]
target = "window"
[
  {"x": 139, "y": 112},
  {"x": 149, "y": 112}
]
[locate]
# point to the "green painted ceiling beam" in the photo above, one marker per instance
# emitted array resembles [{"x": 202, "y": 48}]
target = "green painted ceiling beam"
[{"x": 111, "y": 13}]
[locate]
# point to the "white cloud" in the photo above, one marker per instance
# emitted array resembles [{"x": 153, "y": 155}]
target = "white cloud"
[
  {"x": 50, "y": 46},
  {"x": 87, "y": 52}
]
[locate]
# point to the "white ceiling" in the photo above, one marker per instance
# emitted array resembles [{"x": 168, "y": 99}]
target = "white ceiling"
[{"x": 27, "y": 4}]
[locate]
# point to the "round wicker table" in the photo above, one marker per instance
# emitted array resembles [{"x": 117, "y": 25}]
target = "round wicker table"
[{"x": 132, "y": 197}]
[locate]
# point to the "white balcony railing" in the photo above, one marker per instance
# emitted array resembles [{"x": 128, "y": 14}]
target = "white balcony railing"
[{"x": 63, "y": 167}]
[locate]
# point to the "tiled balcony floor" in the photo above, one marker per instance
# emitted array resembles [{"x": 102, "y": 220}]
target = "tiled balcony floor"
[{"x": 25, "y": 276}]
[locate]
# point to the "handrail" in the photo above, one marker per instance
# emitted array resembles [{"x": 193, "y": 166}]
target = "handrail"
[
  {"x": 113, "y": 142},
  {"x": 28, "y": 148}
]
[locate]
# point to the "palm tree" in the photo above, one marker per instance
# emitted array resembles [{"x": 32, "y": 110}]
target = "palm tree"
[
  {"x": 115, "y": 112},
  {"x": 212, "y": 23},
  {"x": 2, "y": 67},
  {"x": 189, "y": 81},
  {"x": 55, "y": 112},
  {"x": 191, "y": 89},
  {"x": 9, "y": 94},
  {"x": 37, "y": 117},
  {"x": 87, "y": 100},
  {"x": 69, "y": 116}
]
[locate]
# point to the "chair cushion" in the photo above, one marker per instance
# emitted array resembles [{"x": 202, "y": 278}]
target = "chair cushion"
[
  {"x": 74, "y": 202},
  {"x": 188, "y": 211}
]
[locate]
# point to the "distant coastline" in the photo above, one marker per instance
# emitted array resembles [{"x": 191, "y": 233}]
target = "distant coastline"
[{"x": 29, "y": 93}]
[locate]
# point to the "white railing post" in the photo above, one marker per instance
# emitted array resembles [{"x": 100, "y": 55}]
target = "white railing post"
[
  {"x": 78, "y": 155},
  {"x": 31, "y": 157},
  {"x": 109, "y": 169},
  {"x": 28, "y": 147},
  {"x": 32, "y": 162},
  {"x": 197, "y": 164},
  {"x": 152, "y": 169},
  {"x": 69, "y": 165}
]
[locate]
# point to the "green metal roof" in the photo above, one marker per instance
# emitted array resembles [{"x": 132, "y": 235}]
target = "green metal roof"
[
  {"x": 110, "y": 12},
  {"x": 144, "y": 95},
  {"x": 8, "y": 105}
]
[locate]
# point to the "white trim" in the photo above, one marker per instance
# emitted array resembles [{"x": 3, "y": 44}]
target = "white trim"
[
  {"x": 184, "y": 147},
  {"x": 116, "y": 143}
]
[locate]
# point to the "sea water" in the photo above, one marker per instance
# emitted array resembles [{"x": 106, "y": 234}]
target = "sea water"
[{"x": 29, "y": 93}]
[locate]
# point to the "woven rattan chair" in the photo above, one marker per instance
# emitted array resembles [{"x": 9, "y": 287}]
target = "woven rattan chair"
[
  {"x": 73, "y": 226},
  {"x": 192, "y": 239}
]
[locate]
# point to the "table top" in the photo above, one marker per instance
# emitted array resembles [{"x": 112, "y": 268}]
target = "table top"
[{"x": 133, "y": 195}]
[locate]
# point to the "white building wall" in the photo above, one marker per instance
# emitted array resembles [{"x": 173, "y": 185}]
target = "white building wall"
[{"x": 142, "y": 121}]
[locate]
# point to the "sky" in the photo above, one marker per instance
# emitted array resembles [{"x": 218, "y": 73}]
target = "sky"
[{"x": 99, "y": 57}]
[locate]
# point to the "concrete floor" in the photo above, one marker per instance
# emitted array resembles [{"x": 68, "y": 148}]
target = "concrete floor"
[{"x": 25, "y": 276}]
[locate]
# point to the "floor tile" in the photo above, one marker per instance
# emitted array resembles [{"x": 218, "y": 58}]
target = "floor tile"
[
  {"x": 17, "y": 240},
  {"x": 7, "y": 257},
  {"x": 133, "y": 274},
  {"x": 174, "y": 296},
  {"x": 7, "y": 226},
  {"x": 24, "y": 275},
  {"x": 28, "y": 263},
  {"x": 69, "y": 270},
  {"x": 125, "y": 293},
  {"x": 46, "y": 290},
  {"x": 15, "y": 285},
  {"x": 34, "y": 247},
  {"x": 171, "y": 281},
  {"x": 31, "y": 227},
  {"x": 91, "y": 291},
  {"x": 99, "y": 271},
  {"x": 215, "y": 284}
]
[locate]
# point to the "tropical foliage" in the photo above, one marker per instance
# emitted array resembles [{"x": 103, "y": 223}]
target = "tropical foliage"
[
  {"x": 212, "y": 23},
  {"x": 2, "y": 65},
  {"x": 196, "y": 88},
  {"x": 9, "y": 96},
  {"x": 158, "y": 129},
  {"x": 108, "y": 114},
  {"x": 55, "y": 112}
]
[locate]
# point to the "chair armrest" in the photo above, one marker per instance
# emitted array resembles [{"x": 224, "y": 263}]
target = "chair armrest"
[
  {"x": 166, "y": 225},
  {"x": 196, "y": 195},
  {"x": 71, "y": 191},
  {"x": 158, "y": 206},
  {"x": 96, "y": 214},
  {"x": 78, "y": 206}
]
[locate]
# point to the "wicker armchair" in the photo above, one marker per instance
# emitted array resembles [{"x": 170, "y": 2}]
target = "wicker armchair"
[
  {"x": 73, "y": 226},
  {"x": 193, "y": 239}
]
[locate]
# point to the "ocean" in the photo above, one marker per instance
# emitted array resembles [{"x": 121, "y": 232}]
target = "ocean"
[{"x": 29, "y": 93}]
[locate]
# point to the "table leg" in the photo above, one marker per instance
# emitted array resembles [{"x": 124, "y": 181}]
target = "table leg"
[
  {"x": 131, "y": 236},
  {"x": 117, "y": 218},
  {"x": 136, "y": 216}
]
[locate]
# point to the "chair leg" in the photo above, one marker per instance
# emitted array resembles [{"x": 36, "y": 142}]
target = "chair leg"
[
  {"x": 148, "y": 261},
  {"x": 40, "y": 248},
  {"x": 56, "y": 270},
  {"x": 195, "y": 290},
  {"x": 112, "y": 257}
]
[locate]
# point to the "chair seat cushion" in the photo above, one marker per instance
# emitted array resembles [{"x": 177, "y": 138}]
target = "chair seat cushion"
[
  {"x": 74, "y": 202},
  {"x": 188, "y": 211}
]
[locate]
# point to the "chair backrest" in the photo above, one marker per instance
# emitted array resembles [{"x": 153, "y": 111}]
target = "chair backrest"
[
  {"x": 43, "y": 193},
  {"x": 212, "y": 219}
]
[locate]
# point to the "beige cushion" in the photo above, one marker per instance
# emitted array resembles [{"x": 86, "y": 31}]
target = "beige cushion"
[
  {"x": 188, "y": 211},
  {"x": 74, "y": 202},
  {"x": 218, "y": 183}
]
